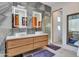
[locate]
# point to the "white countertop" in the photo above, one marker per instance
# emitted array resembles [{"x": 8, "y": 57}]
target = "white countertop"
[{"x": 24, "y": 36}]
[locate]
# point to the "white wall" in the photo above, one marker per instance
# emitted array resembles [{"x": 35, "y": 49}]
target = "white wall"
[{"x": 68, "y": 8}]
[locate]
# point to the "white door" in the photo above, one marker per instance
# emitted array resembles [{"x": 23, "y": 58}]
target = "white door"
[{"x": 57, "y": 26}]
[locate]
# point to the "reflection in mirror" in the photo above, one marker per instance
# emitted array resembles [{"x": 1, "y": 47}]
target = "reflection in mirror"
[
  {"x": 73, "y": 30},
  {"x": 36, "y": 21},
  {"x": 23, "y": 24},
  {"x": 19, "y": 20},
  {"x": 19, "y": 17}
]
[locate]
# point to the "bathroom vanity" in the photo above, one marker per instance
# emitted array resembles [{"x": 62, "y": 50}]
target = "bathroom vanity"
[
  {"x": 20, "y": 41},
  {"x": 16, "y": 45}
]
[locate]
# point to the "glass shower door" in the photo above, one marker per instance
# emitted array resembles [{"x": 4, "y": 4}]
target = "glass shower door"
[
  {"x": 47, "y": 27},
  {"x": 57, "y": 27}
]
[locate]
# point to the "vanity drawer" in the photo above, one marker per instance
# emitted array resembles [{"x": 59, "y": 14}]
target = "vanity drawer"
[
  {"x": 40, "y": 38},
  {"x": 19, "y": 50},
  {"x": 18, "y": 42},
  {"x": 40, "y": 44}
]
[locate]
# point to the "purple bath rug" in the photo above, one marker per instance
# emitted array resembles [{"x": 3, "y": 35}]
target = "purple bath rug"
[
  {"x": 42, "y": 53},
  {"x": 54, "y": 47}
]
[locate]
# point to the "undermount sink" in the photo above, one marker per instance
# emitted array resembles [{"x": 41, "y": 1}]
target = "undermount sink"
[
  {"x": 24, "y": 33},
  {"x": 20, "y": 34},
  {"x": 38, "y": 32}
]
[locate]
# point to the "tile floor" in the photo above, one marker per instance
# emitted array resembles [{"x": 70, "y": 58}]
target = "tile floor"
[
  {"x": 62, "y": 52},
  {"x": 65, "y": 53}
]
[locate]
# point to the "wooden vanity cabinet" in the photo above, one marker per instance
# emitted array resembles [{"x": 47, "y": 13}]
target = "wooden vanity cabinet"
[
  {"x": 18, "y": 46},
  {"x": 40, "y": 44},
  {"x": 18, "y": 42},
  {"x": 40, "y": 41},
  {"x": 19, "y": 50},
  {"x": 40, "y": 38}
]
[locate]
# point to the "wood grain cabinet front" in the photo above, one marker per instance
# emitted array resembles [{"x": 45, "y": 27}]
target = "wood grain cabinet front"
[
  {"x": 18, "y": 42},
  {"x": 22, "y": 45},
  {"x": 40, "y": 44},
  {"x": 40, "y": 41},
  {"x": 41, "y": 38},
  {"x": 19, "y": 50}
]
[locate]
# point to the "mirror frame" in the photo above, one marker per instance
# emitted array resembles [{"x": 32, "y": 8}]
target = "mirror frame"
[{"x": 13, "y": 12}]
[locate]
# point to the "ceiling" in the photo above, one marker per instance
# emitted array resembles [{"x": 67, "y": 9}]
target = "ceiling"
[{"x": 51, "y": 4}]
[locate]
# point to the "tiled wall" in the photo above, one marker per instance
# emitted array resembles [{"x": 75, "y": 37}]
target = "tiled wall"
[
  {"x": 35, "y": 6},
  {"x": 5, "y": 24},
  {"x": 38, "y": 7},
  {"x": 6, "y": 11}
]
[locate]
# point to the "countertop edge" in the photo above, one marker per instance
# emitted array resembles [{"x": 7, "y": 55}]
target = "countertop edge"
[{"x": 25, "y": 36}]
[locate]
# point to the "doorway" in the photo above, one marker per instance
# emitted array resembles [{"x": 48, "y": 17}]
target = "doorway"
[
  {"x": 57, "y": 27},
  {"x": 73, "y": 29}
]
